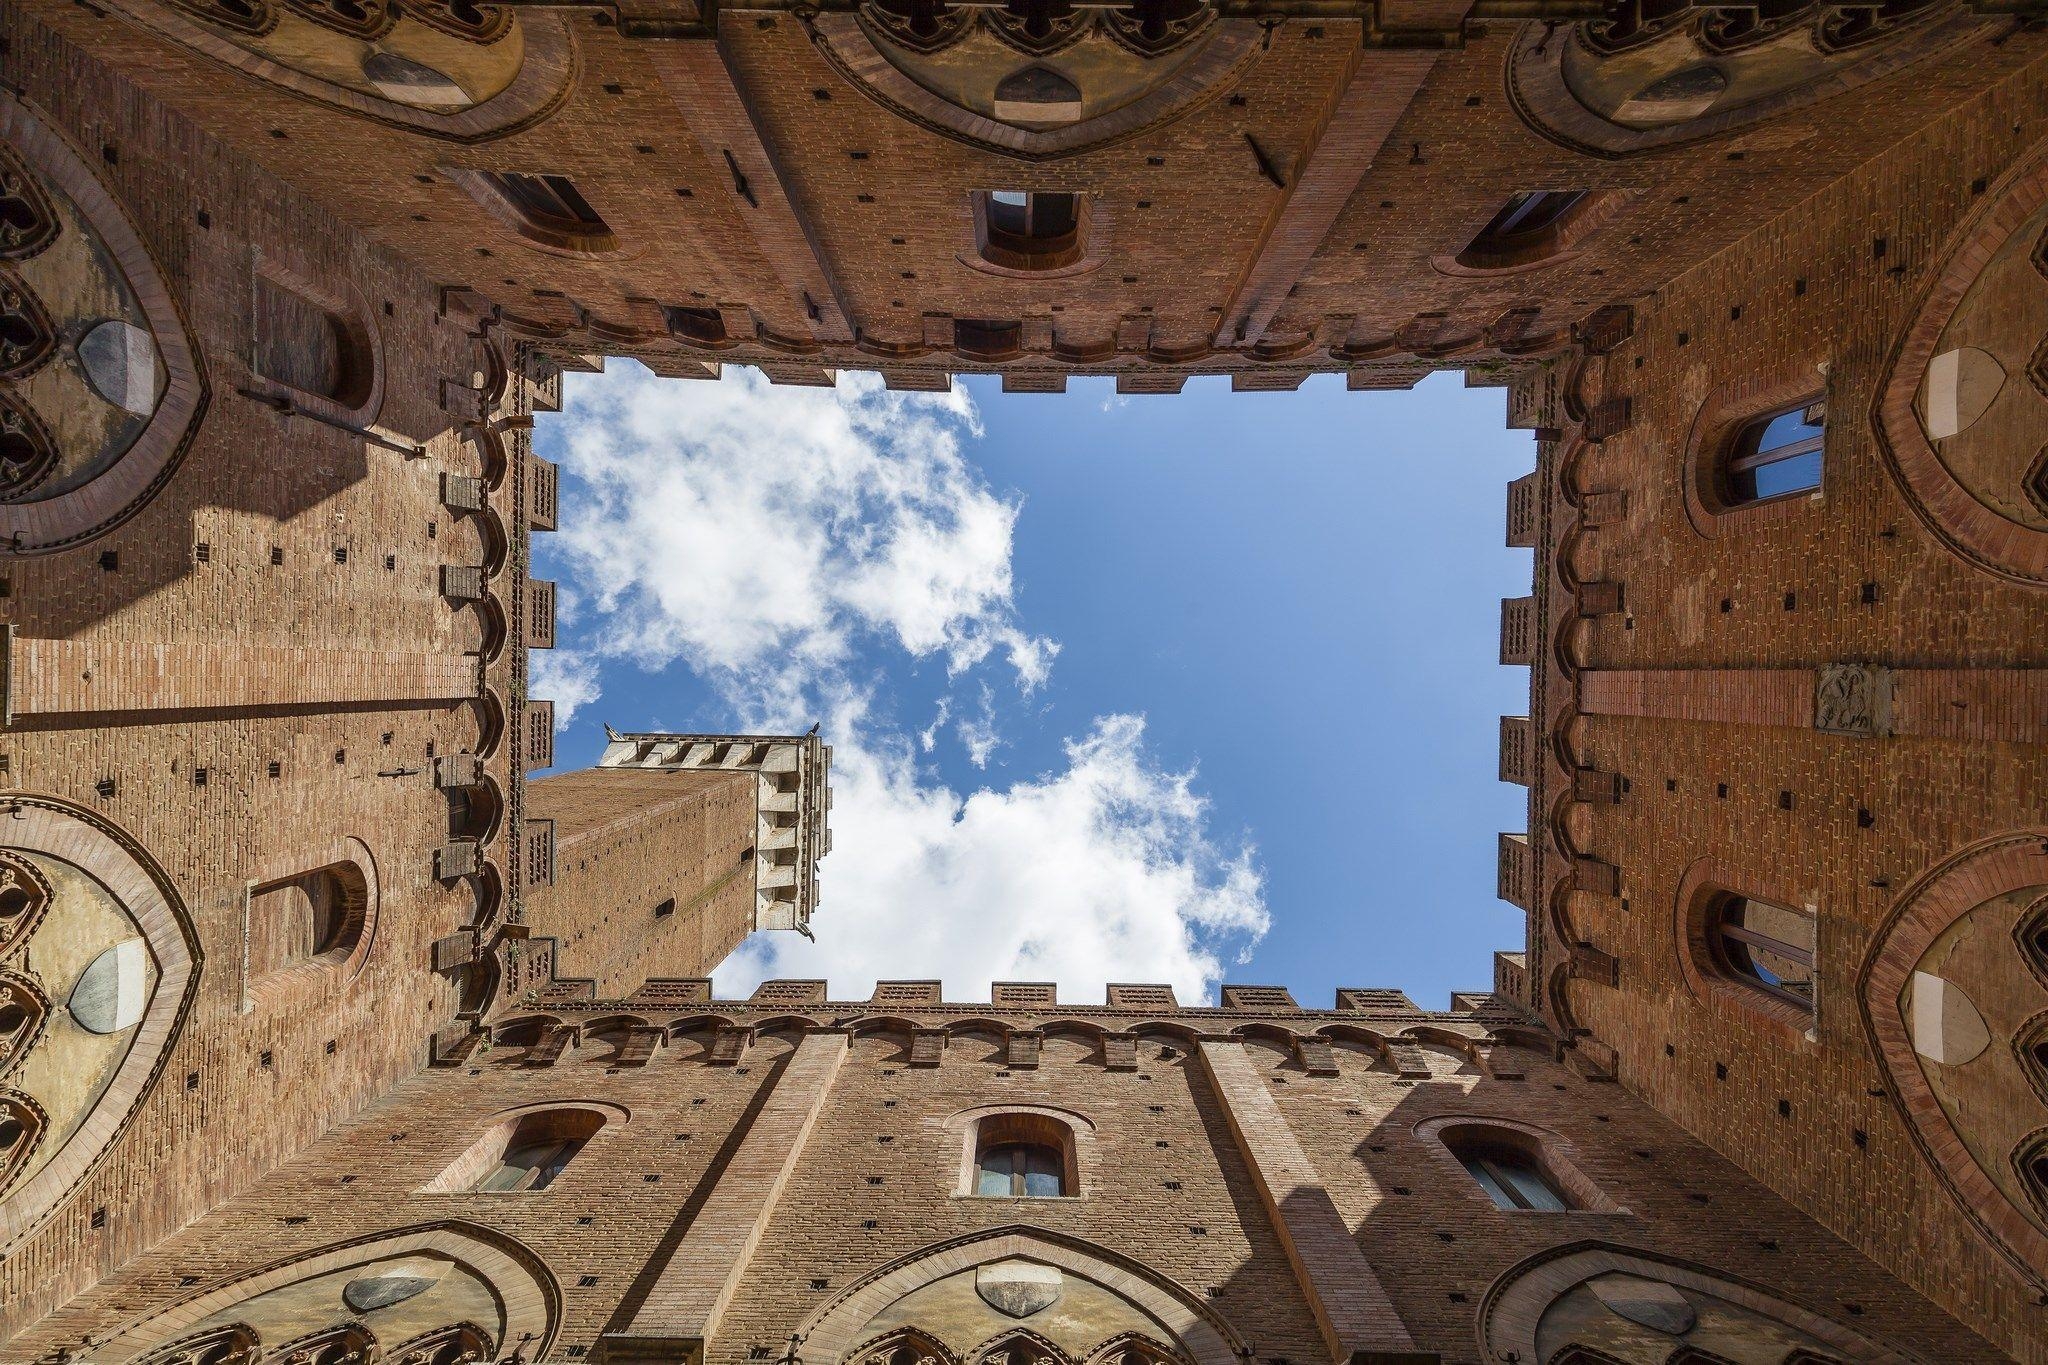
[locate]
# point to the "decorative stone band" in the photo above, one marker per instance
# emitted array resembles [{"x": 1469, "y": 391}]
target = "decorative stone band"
[
  {"x": 1357, "y": 1318},
  {"x": 1991, "y": 705},
  {"x": 688, "y": 1299},
  {"x": 66, "y": 677}
]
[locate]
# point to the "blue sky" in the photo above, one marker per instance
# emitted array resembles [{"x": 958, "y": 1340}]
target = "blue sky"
[{"x": 1119, "y": 689}]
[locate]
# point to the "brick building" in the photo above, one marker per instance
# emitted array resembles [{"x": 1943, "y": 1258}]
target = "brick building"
[{"x": 328, "y": 1038}]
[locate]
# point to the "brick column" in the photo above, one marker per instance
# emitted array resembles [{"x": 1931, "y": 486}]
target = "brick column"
[
  {"x": 699, "y": 77},
  {"x": 1375, "y": 93},
  {"x": 40, "y": 677},
  {"x": 1358, "y": 1320},
  {"x": 1999, "y": 705},
  {"x": 682, "y": 1310}
]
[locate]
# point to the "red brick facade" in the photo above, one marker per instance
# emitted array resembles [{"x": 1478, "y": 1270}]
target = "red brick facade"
[{"x": 325, "y": 1038}]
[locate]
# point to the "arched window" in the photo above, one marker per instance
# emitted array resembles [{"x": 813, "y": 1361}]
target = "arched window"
[
  {"x": 1029, "y": 1169},
  {"x": 1776, "y": 455},
  {"x": 548, "y": 209},
  {"x": 1508, "y": 1166},
  {"x": 351, "y": 1344},
  {"x": 1023, "y": 1156},
  {"x": 1528, "y": 228},
  {"x": 2031, "y": 1161},
  {"x": 1765, "y": 946},
  {"x": 537, "y": 1149},
  {"x": 1029, "y": 230},
  {"x": 306, "y": 345},
  {"x": 315, "y": 917},
  {"x": 235, "y": 1344}
]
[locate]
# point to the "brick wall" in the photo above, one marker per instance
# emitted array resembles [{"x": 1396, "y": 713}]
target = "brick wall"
[{"x": 628, "y": 843}]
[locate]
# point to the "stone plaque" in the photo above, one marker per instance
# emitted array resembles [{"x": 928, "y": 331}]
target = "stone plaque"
[
  {"x": 1650, "y": 1303},
  {"x": 1018, "y": 1288}
]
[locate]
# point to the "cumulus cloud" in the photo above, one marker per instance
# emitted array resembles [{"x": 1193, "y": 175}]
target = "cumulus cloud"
[
  {"x": 566, "y": 676},
  {"x": 780, "y": 542},
  {"x": 759, "y": 535},
  {"x": 1103, "y": 870}
]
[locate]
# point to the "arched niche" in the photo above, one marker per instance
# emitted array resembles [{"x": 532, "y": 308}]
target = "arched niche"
[
  {"x": 410, "y": 1284},
  {"x": 115, "y": 966},
  {"x": 1951, "y": 994},
  {"x": 1962, "y": 416},
  {"x": 305, "y": 926},
  {"x": 465, "y": 72},
  {"x": 1627, "y": 84},
  {"x": 972, "y": 1293},
  {"x": 101, "y": 387},
  {"x": 1619, "y": 1303}
]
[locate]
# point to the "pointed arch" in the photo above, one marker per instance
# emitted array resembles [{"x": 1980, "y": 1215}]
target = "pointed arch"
[
  {"x": 1133, "y": 1348},
  {"x": 1204, "y": 1338},
  {"x": 527, "y": 1297},
  {"x": 1018, "y": 1346},
  {"x": 904, "y": 1346}
]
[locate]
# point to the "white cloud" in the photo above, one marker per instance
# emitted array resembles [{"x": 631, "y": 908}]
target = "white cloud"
[
  {"x": 1101, "y": 871},
  {"x": 761, "y": 535},
  {"x": 568, "y": 677},
  {"x": 772, "y": 539}
]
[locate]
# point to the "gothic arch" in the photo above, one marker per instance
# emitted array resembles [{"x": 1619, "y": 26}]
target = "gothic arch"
[
  {"x": 904, "y": 1346},
  {"x": 470, "y": 1268},
  {"x": 1520, "y": 1313},
  {"x": 1946, "y": 951},
  {"x": 878, "y": 57},
  {"x": 131, "y": 385},
  {"x": 532, "y": 59},
  {"x": 1577, "y": 87},
  {"x": 1018, "y": 1346},
  {"x": 1958, "y": 420},
  {"x": 834, "y": 1327},
  {"x": 126, "y": 970}
]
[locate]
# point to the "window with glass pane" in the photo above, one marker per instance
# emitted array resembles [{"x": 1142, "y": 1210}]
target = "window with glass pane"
[
  {"x": 1776, "y": 455},
  {"x": 530, "y": 1165},
  {"x": 1767, "y": 945},
  {"x": 551, "y": 201},
  {"x": 1511, "y": 1178},
  {"x": 1026, "y": 1169},
  {"x": 1526, "y": 216}
]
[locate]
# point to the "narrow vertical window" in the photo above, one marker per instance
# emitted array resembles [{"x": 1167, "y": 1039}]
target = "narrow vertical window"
[
  {"x": 548, "y": 210},
  {"x": 1029, "y": 1170},
  {"x": 1511, "y": 1177},
  {"x": 1528, "y": 228},
  {"x": 1776, "y": 455},
  {"x": 1766, "y": 946},
  {"x": 1028, "y": 229}
]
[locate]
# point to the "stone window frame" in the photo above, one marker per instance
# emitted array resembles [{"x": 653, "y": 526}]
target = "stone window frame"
[
  {"x": 1512, "y": 1311},
  {"x": 481, "y": 186},
  {"x": 1729, "y": 410},
  {"x": 2030, "y": 1046},
  {"x": 361, "y": 401},
  {"x": 1562, "y": 241},
  {"x": 460, "y": 1175},
  {"x": 1936, "y": 899},
  {"x": 337, "y": 967},
  {"x": 112, "y": 857},
  {"x": 1708, "y": 880},
  {"x": 527, "y": 1297},
  {"x": 108, "y": 499},
  {"x": 543, "y": 82},
  {"x": 1091, "y": 240},
  {"x": 1553, "y": 1154},
  {"x": 1076, "y": 1138}
]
